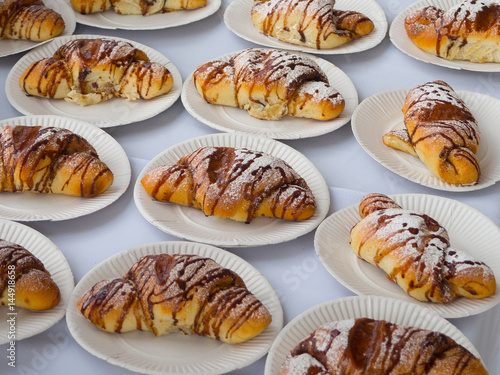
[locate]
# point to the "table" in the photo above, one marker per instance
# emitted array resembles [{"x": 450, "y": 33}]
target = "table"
[{"x": 292, "y": 268}]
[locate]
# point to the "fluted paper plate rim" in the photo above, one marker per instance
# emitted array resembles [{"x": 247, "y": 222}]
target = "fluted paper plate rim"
[
  {"x": 112, "y": 20},
  {"x": 112, "y": 112},
  {"x": 230, "y": 119},
  {"x": 12, "y": 46},
  {"x": 237, "y": 18},
  {"x": 55, "y": 207},
  {"x": 469, "y": 230},
  {"x": 191, "y": 224},
  {"x": 374, "y": 307},
  {"x": 381, "y": 113},
  {"x": 30, "y": 323},
  {"x": 200, "y": 355},
  {"x": 401, "y": 41}
]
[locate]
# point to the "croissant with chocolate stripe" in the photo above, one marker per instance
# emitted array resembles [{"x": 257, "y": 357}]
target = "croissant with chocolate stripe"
[
  {"x": 239, "y": 184},
  {"x": 24, "y": 278},
  {"x": 269, "y": 84},
  {"x": 139, "y": 7},
  {"x": 368, "y": 346},
  {"x": 441, "y": 131},
  {"x": 88, "y": 71},
  {"x": 311, "y": 23},
  {"x": 29, "y": 19},
  {"x": 164, "y": 293},
  {"x": 50, "y": 160},
  {"x": 469, "y": 31},
  {"x": 415, "y": 252}
]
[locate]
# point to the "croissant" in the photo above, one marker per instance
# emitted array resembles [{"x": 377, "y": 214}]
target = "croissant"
[
  {"x": 414, "y": 250},
  {"x": 310, "y": 23},
  {"x": 441, "y": 131},
  {"x": 88, "y": 71},
  {"x": 29, "y": 19},
  {"x": 368, "y": 346},
  {"x": 50, "y": 160},
  {"x": 141, "y": 7},
  {"x": 269, "y": 84},
  {"x": 468, "y": 31},
  {"x": 239, "y": 184},
  {"x": 163, "y": 293},
  {"x": 24, "y": 281}
]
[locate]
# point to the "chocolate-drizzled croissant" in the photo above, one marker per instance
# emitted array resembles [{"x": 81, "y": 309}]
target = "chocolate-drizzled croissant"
[
  {"x": 269, "y": 84},
  {"x": 239, "y": 184},
  {"x": 414, "y": 250},
  {"x": 29, "y": 19},
  {"x": 50, "y": 160},
  {"x": 165, "y": 293},
  {"x": 88, "y": 71},
  {"x": 469, "y": 31},
  {"x": 141, "y": 7},
  {"x": 441, "y": 131},
  {"x": 23, "y": 278},
  {"x": 310, "y": 23},
  {"x": 367, "y": 346}
]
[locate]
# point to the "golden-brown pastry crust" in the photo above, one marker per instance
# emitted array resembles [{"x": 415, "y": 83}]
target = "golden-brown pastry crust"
[
  {"x": 50, "y": 160},
  {"x": 164, "y": 293},
  {"x": 310, "y": 23},
  {"x": 139, "y": 7},
  {"x": 368, "y": 346},
  {"x": 239, "y": 184},
  {"x": 414, "y": 250},
  {"x": 468, "y": 31}
]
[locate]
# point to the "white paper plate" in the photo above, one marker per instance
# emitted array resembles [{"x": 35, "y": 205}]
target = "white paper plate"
[
  {"x": 400, "y": 39},
  {"x": 238, "y": 19},
  {"x": 174, "y": 353},
  {"x": 382, "y": 113},
  {"x": 35, "y": 207},
  {"x": 192, "y": 224},
  {"x": 380, "y": 308},
  {"x": 111, "y": 20},
  {"x": 230, "y": 119},
  {"x": 30, "y": 323},
  {"x": 469, "y": 230},
  {"x": 11, "y": 46},
  {"x": 113, "y": 112}
]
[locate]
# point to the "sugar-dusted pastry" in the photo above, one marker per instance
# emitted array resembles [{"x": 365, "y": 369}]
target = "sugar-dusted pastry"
[
  {"x": 373, "y": 347},
  {"x": 415, "y": 252},
  {"x": 24, "y": 279},
  {"x": 50, "y": 160},
  {"x": 164, "y": 293},
  {"x": 469, "y": 31},
  {"x": 311, "y": 23},
  {"x": 239, "y": 184},
  {"x": 270, "y": 84},
  {"x": 29, "y": 19},
  {"x": 88, "y": 71},
  {"x": 441, "y": 131},
  {"x": 140, "y": 7}
]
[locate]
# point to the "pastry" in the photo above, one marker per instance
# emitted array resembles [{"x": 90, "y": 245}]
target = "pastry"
[
  {"x": 164, "y": 293},
  {"x": 469, "y": 31},
  {"x": 50, "y": 160},
  {"x": 88, "y": 71},
  {"x": 415, "y": 252},
  {"x": 311, "y": 23},
  {"x": 142, "y": 7},
  {"x": 23, "y": 278},
  {"x": 269, "y": 84},
  {"x": 239, "y": 184},
  {"x": 441, "y": 131},
  {"x": 368, "y": 346},
  {"x": 29, "y": 19}
]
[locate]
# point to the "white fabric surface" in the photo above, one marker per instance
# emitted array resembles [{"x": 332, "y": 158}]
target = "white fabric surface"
[{"x": 292, "y": 268}]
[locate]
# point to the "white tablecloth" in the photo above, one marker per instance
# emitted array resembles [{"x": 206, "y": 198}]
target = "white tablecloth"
[{"x": 292, "y": 268}]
